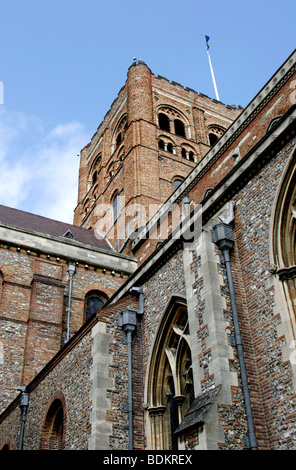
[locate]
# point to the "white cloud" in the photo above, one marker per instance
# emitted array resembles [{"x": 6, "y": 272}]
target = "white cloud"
[{"x": 39, "y": 168}]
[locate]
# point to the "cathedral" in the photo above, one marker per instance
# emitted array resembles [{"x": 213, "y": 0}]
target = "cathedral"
[{"x": 164, "y": 317}]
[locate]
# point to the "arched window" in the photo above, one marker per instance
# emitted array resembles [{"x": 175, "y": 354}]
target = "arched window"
[
  {"x": 170, "y": 147},
  {"x": 177, "y": 183},
  {"x": 94, "y": 177},
  {"x": 164, "y": 122},
  {"x": 179, "y": 128},
  {"x": 119, "y": 132},
  {"x": 94, "y": 301},
  {"x": 214, "y": 133},
  {"x": 213, "y": 138},
  {"x": 161, "y": 144},
  {"x": 118, "y": 139},
  {"x": 52, "y": 434},
  {"x": 170, "y": 384},
  {"x": 284, "y": 238},
  {"x": 6, "y": 444}
]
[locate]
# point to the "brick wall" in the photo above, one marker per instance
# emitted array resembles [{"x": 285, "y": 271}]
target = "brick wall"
[
  {"x": 34, "y": 297},
  {"x": 136, "y": 168}
]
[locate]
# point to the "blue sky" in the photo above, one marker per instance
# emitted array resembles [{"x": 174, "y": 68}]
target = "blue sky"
[{"x": 62, "y": 63}]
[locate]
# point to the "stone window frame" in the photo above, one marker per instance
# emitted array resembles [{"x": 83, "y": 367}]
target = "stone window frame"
[
  {"x": 283, "y": 240},
  {"x": 94, "y": 293},
  {"x": 170, "y": 388}
]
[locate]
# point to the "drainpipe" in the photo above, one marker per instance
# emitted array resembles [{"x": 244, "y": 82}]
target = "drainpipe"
[
  {"x": 24, "y": 403},
  {"x": 128, "y": 321},
  {"x": 140, "y": 292},
  {"x": 71, "y": 271},
  {"x": 222, "y": 236}
]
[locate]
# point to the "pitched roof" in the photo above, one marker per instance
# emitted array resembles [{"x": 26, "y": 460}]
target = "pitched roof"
[{"x": 37, "y": 223}]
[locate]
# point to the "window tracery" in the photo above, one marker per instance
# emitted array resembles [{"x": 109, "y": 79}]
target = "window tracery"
[
  {"x": 119, "y": 133},
  {"x": 172, "y": 121},
  {"x": 170, "y": 380},
  {"x": 283, "y": 261},
  {"x": 214, "y": 134},
  {"x": 94, "y": 170}
]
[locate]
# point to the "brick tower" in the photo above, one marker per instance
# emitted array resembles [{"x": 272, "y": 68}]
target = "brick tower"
[{"x": 151, "y": 138}]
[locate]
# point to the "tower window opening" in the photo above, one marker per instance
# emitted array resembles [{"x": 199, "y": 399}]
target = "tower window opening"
[
  {"x": 177, "y": 183},
  {"x": 213, "y": 139},
  {"x": 170, "y": 147},
  {"x": 164, "y": 122},
  {"x": 179, "y": 128},
  {"x": 161, "y": 144}
]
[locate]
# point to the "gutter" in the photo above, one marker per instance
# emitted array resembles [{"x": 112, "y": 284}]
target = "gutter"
[
  {"x": 23, "y": 404},
  {"x": 128, "y": 321},
  {"x": 71, "y": 271},
  {"x": 222, "y": 236}
]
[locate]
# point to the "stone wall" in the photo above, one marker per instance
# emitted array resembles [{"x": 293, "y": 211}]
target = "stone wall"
[{"x": 270, "y": 373}]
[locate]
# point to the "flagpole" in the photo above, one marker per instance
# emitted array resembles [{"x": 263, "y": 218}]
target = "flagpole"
[{"x": 211, "y": 67}]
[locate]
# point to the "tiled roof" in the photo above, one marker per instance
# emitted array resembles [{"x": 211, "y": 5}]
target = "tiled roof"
[{"x": 26, "y": 220}]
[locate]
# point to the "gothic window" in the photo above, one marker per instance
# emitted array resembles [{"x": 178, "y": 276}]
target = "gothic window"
[
  {"x": 213, "y": 138},
  {"x": 94, "y": 170},
  {"x": 170, "y": 385},
  {"x": 179, "y": 128},
  {"x": 214, "y": 134},
  {"x": 119, "y": 133},
  {"x": 118, "y": 139},
  {"x": 94, "y": 301},
  {"x": 52, "y": 435},
  {"x": 164, "y": 122},
  {"x": 94, "y": 177},
  {"x": 284, "y": 238}
]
